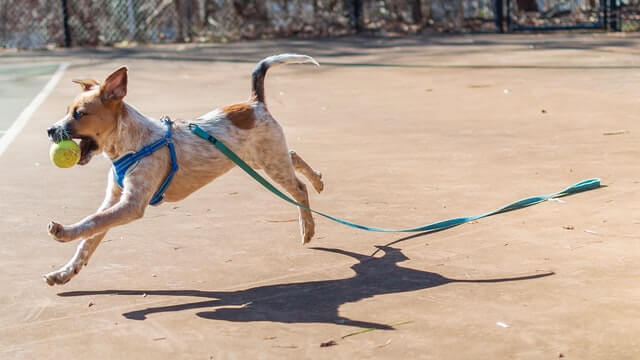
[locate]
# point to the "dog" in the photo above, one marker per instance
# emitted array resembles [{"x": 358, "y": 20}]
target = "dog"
[{"x": 103, "y": 122}]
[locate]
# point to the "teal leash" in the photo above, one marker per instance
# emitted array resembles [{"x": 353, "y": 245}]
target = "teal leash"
[{"x": 584, "y": 185}]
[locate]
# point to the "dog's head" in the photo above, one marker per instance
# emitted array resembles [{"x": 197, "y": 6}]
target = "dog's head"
[{"x": 93, "y": 115}]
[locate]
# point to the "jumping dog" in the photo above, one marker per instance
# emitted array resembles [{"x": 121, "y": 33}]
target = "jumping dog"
[{"x": 103, "y": 122}]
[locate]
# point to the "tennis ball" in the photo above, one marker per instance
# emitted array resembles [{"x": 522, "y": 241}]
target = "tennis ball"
[{"x": 65, "y": 154}]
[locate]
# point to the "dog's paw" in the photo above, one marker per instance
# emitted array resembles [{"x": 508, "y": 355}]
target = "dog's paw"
[
  {"x": 50, "y": 279},
  {"x": 317, "y": 182},
  {"x": 307, "y": 233},
  {"x": 57, "y": 231},
  {"x": 57, "y": 278},
  {"x": 63, "y": 275}
]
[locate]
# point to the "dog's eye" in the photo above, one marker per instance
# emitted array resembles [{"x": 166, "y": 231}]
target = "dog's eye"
[{"x": 77, "y": 114}]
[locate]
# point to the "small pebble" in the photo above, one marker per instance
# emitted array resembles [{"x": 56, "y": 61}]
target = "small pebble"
[{"x": 328, "y": 343}]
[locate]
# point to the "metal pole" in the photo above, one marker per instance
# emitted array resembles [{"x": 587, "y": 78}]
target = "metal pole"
[
  {"x": 508, "y": 15},
  {"x": 189, "y": 16},
  {"x": 604, "y": 20},
  {"x": 356, "y": 14},
  {"x": 609, "y": 13},
  {"x": 499, "y": 12},
  {"x": 65, "y": 22},
  {"x": 615, "y": 16}
]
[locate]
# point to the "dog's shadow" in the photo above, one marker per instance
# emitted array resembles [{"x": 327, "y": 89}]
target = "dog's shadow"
[{"x": 306, "y": 302}]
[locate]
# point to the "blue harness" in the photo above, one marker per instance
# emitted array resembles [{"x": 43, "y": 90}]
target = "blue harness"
[{"x": 121, "y": 165}]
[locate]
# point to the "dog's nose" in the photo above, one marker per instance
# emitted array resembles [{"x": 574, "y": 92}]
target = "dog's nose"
[{"x": 51, "y": 131}]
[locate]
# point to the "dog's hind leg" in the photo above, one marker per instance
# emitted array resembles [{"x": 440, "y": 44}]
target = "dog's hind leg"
[
  {"x": 278, "y": 165},
  {"x": 301, "y": 166}
]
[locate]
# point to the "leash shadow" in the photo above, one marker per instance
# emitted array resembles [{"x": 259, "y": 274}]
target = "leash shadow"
[{"x": 305, "y": 302}]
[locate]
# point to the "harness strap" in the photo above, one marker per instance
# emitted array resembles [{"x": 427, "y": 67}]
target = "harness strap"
[
  {"x": 121, "y": 165},
  {"x": 584, "y": 185}
]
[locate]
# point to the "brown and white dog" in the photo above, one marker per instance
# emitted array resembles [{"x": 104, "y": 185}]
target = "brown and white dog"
[{"x": 105, "y": 123}]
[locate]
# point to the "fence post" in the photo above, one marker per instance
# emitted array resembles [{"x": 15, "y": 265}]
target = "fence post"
[
  {"x": 416, "y": 12},
  {"x": 604, "y": 5},
  {"x": 499, "y": 12},
  {"x": 616, "y": 19},
  {"x": 65, "y": 24},
  {"x": 508, "y": 15},
  {"x": 356, "y": 14}
]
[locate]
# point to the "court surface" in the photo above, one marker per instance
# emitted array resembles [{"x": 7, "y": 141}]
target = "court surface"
[
  {"x": 19, "y": 84},
  {"x": 406, "y": 131}
]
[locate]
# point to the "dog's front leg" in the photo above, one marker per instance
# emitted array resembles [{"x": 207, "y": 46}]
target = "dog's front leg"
[
  {"x": 131, "y": 205},
  {"x": 87, "y": 246},
  {"x": 79, "y": 259}
]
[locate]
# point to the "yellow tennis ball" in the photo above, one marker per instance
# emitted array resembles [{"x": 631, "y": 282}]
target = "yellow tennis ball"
[{"x": 65, "y": 154}]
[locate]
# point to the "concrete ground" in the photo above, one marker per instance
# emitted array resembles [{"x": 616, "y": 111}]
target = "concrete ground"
[
  {"x": 406, "y": 131},
  {"x": 19, "y": 84}
]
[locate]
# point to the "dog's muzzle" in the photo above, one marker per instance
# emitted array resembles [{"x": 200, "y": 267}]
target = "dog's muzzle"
[
  {"x": 88, "y": 145},
  {"x": 51, "y": 131},
  {"x": 58, "y": 133}
]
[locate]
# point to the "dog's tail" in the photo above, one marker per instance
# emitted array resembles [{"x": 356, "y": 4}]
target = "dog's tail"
[{"x": 257, "y": 77}]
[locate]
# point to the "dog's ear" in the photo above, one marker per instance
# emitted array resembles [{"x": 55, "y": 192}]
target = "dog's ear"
[
  {"x": 86, "y": 84},
  {"x": 114, "y": 86}
]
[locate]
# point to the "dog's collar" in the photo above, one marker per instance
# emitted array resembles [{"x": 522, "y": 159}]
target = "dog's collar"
[{"x": 122, "y": 164}]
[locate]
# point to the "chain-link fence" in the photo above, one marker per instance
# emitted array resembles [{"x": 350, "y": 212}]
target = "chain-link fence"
[
  {"x": 27, "y": 24},
  {"x": 628, "y": 14},
  {"x": 413, "y": 16},
  {"x": 40, "y": 23},
  {"x": 614, "y": 15},
  {"x": 554, "y": 14}
]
